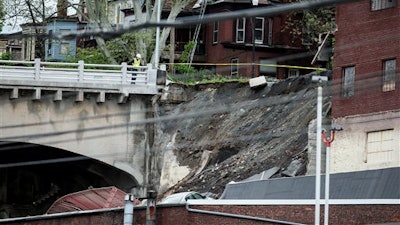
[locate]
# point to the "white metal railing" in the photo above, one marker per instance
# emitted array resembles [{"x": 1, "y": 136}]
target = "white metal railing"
[{"x": 80, "y": 73}]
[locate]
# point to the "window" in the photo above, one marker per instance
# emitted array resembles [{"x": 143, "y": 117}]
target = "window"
[
  {"x": 293, "y": 73},
  {"x": 389, "y": 75},
  {"x": 215, "y": 32},
  {"x": 382, "y": 4},
  {"x": 65, "y": 31},
  {"x": 259, "y": 30},
  {"x": 348, "y": 81},
  {"x": 234, "y": 67},
  {"x": 49, "y": 45},
  {"x": 380, "y": 146},
  {"x": 240, "y": 28},
  {"x": 64, "y": 48}
]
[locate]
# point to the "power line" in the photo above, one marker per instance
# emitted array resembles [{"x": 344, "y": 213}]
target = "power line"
[{"x": 209, "y": 18}]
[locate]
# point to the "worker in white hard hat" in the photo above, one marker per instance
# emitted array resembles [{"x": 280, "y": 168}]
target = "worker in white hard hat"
[{"x": 137, "y": 62}]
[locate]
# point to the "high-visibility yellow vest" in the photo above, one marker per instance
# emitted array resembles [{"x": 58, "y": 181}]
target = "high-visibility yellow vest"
[{"x": 136, "y": 62}]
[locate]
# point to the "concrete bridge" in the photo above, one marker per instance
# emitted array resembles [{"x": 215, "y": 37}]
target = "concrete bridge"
[{"x": 95, "y": 111}]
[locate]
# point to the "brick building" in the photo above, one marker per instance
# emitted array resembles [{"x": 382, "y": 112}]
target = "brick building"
[
  {"x": 366, "y": 86},
  {"x": 230, "y": 47},
  {"x": 259, "y": 40}
]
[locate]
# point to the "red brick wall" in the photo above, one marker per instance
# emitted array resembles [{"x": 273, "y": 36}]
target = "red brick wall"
[
  {"x": 218, "y": 54},
  {"x": 364, "y": 39},
  {"x": 179, "y": 215}
]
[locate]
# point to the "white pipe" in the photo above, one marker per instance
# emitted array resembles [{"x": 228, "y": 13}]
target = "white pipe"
[
  {"x": 318, "y": 157},
  {"x": 327, "y": 168},
  {"x": 128, "y": 210}
]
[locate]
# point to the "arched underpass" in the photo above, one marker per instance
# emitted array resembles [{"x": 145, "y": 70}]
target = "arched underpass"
[{"x": 32, "y": 177}]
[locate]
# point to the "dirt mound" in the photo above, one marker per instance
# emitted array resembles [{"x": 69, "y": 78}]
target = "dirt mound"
[{"x": 244, "y": 131}]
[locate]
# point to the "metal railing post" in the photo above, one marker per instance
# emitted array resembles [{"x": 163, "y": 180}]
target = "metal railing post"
[
  {"x": 81, "y": 68},
  {"x": 124, "y": 71},
  {"x": 151, "y": 75},
  {"x": 37, "y": 69}
]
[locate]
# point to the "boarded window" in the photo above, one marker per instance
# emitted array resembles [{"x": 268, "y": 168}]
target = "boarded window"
[
  {"x": 389, "y": 75},
  {"x": 268, "y": 67},
  {"x": 380, "y": 146},
  {"x": 382, "y": 4},
  {"x": 348, "y": 81}
]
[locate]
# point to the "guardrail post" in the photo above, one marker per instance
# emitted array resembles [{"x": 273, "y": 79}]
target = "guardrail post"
[
  {"x": 81, "y": 68},
  {"x": 37, "y": 69},
  {"x": 124, "y": 71},
  {"x": 151, "y": 75}
]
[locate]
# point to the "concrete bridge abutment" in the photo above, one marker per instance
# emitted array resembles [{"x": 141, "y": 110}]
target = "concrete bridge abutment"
[{"x": 107, "y": 126}]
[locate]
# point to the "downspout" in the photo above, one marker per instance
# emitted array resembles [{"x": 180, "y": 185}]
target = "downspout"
[{"x": 239, "y": 216}]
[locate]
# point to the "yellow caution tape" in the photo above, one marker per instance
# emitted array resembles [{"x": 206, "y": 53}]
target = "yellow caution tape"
[{"x": 250, "y": 64}]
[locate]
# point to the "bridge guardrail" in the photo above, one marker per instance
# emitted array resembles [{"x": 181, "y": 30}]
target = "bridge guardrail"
[
  {"x": 73, "y": 72},
  {"x": 96, "y": 77}
]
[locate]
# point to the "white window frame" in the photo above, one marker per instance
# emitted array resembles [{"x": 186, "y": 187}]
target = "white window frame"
[
  {"x": 348, "y": 81},
  {"x": 380, "y": 146},
  {"x": 389, "y": 75},
  {"x": 240, "y": 29},
  {"x": 382, "y": 4},
  {"x": 215, "y": 32},
  {"x": 234, "y": 67},
  {"x": 259, "y": 29}
]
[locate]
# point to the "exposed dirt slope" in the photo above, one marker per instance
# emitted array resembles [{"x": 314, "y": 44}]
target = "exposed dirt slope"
[{"x": 244, "y": 130}]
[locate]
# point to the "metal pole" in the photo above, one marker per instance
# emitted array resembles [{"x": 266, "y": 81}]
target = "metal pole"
[
  {"x": 318, "y": 157},
  {"x": 254, "y": 48},
  {"x": 151, "y": 208},
  {"x": 326, "y": 208},
  {"x": 157, "y": 51},
  {"x": 327, "y": 141}
]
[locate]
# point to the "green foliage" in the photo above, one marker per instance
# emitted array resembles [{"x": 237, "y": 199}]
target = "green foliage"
[
  {"x": 183, "y": 67},
  {"x": 6, "y": 56},
  {"x": 89, "y": 55},
  {"x": 123, "y": 49},
  {"x": 203, "y": 77},
  {"x": 2, "y": 14},
  {"x": 308, "y": 24}
]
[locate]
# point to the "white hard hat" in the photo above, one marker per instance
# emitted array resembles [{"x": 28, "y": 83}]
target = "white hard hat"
[{"x": 138, "y": 56}]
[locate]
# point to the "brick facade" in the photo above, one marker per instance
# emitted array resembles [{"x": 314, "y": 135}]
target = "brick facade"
[
  {"x": 179, "y": 215},
  {"x": 226, "y": 49},
  {"x": 365, "y": 39}
]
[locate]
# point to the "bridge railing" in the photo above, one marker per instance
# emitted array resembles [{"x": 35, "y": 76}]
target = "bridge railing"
[{"x": 76, "y": 72}]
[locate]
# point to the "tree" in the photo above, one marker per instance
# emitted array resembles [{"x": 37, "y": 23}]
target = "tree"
[
  {"x": 308, "y": 24},
  {"x": 141, "y": 41},
  {"x": 2, "y": 15},
  {"x": 33, "y": 12}
]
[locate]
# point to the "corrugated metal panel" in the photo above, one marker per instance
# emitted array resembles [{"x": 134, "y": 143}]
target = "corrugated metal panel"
[
  {"x": 95, "y": 198},
  {"x": 371, "y": 184}
]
